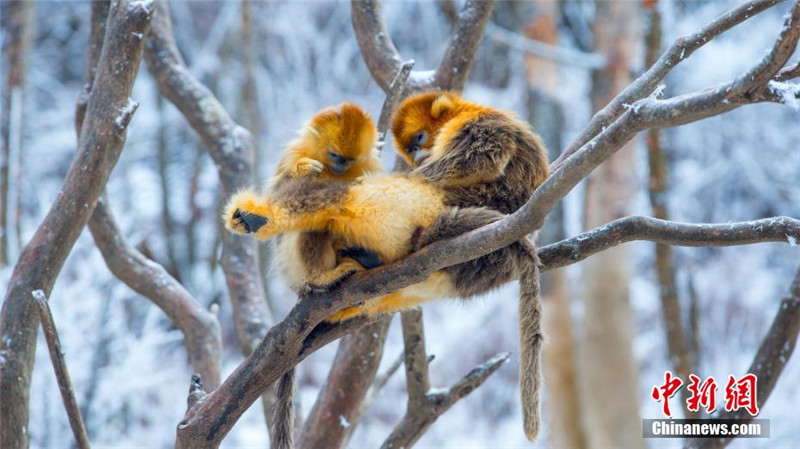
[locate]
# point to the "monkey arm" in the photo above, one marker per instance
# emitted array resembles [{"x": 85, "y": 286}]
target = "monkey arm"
[{"x": 474, "y": 155}]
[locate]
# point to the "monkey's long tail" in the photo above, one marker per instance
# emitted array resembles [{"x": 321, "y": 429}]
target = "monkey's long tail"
[
  {"x": 283, "y": 412},
  {"x": 531, "y": 339}
]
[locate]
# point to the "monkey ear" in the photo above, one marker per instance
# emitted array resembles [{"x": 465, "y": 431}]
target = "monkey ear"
[{"x": 440, "y": 105}]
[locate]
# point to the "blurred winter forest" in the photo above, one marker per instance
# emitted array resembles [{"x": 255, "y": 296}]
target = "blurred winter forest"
[{"x": 272, "y": 65}]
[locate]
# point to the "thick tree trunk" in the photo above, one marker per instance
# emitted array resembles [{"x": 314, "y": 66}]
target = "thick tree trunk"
[
  {"x": 103, "y": 135},
  {"x": 608, "y": 371}
]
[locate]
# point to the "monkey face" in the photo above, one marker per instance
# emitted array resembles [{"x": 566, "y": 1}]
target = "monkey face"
[
  {"x": 337, "y": 163},
  {"x": 418, "y": 121}
]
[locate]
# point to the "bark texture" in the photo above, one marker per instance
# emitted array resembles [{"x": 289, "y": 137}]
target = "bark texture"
[{"x": 109, "y": 111}]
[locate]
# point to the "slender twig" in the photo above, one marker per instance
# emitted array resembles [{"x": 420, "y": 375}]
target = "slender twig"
[
  {"x": 393, "y": 97},
  {"x": 286, "y": 343},
  {"x": 60, "y": 367},
  {"x": 434, "y": 404},
  {"x": 628, "y": 229},
  {"x": 681, "y": 49},
  {"x": 109, "y": 110},
  {"x": 384, "y": 61},
  {"x": 773, "y": 354}
]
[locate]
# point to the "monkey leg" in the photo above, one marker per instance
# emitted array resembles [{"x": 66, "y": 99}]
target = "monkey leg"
[{"x": 333, "y": 278}]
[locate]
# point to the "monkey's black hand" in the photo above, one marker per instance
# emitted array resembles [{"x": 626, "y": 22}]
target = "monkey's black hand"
[
  {"x": 365, "y": 257},
  {"x": 250, "y": 222}
]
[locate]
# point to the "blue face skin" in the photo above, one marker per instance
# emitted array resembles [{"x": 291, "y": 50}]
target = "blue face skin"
[
  {"x": 414, "y": 148},
  {"x": 338, "y": 164}
]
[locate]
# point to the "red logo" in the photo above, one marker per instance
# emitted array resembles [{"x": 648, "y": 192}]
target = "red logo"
[{"x": 738, "y": 393}]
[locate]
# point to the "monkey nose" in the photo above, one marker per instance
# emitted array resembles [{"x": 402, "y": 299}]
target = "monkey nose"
[{"x": 420, "y": 156}]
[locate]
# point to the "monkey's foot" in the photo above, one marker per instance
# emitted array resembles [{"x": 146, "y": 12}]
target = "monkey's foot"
[
  {"x": 346, "y": 314},
  {"x": 308, "y": 167},
  {"x": 331, "y": 279}
]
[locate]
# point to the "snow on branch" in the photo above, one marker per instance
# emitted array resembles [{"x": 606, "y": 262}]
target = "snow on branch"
[
  {"x": 384, "y": 61},
  {"x": 232, "y": 149},
  {"x": 681, "y": 49},
  {"x": 101, "y": 142},
  {"x": 200, "y": 328},
  {"x": 628, "y": 229},
  {"x": 300, "y": 332}
]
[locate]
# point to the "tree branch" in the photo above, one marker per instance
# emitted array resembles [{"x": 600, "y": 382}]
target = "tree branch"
[
  {"x": 774, "y": 352},
  {"x": 200, "y": 328},
  {"x": 60, "y": 367},
  {"x": 102, "y": 138},
  {"x": 357, "y": 360},
  {"x": 286, "y": 343},
  {"x": 384, "y": 61},
  {"x": 628, "y": 229},
  {"x": 232, "y": 149},
  {"x": 416, "y": 360},
  {"x": 433, "y": 404},
  {"x": 681, "y": 49}
]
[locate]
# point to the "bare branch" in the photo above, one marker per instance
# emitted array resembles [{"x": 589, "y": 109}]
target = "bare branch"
[
  {"x": 422, "y": 414},
  {"x": 101, "y": 143},
  {"x": 60, "y": 367},
  {"x": 377, "y": 385},
  {"x": 544, "y": 50},
  {"x": 393, "y": 97},
  {"x": 416, "y": 360},
  {"x": 232, "y": 148},
  {"x": 384, "y": 61},
  {"x": 357, "y": 360},
  {"x": 451, "y": 73},
  {"x": 628, "y": 229},
  {"x": 774, "y": 352},
  {"x": 788, "y": 73},
  {"x": 379, "y": 53},
  {"x": 288, "y": 341},
  {"x": 200, "y": 328},
  {"x": 647, "y": 83}
]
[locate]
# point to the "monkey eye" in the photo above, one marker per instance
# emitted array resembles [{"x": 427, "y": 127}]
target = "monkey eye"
[
  {"x": 335, "y": 156},
  {"x": 419, "y": 138}
]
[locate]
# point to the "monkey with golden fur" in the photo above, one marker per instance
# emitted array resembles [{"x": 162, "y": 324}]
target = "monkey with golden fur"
[
  {"x": 338, "y": 144},
  {"x": 383, "y": 213},
  {"x": 481, "y": 156}
]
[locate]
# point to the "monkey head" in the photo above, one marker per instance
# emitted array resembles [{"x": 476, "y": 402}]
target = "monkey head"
[
  {"x": 342, "y": 137},
  {"x": 418, "y": 121}
]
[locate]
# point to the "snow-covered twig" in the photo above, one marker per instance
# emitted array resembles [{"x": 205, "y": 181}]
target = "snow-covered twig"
[
  {"x": 60, "y": 367},
  {"x": 435, "y": 402},
  {"x": 681, "y": 49},
  {"x": 384, "y": 61},
  {"x": 638, "y": 228}
]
